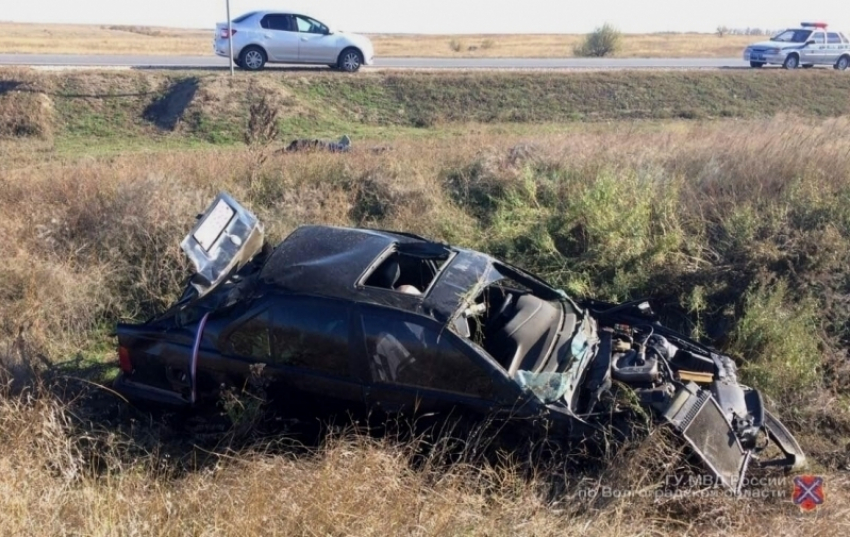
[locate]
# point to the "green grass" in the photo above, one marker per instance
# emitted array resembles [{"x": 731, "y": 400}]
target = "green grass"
[{"x": 102, "y": 106}]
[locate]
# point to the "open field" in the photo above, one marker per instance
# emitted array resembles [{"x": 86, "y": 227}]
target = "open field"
[
  {"x": 82, "y": 39},
  {"x": 723, "y": 196}
]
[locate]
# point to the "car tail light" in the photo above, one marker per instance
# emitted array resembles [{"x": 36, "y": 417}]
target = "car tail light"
[
  {"x": 124, "y": 360},
  {"x": 225, "y": 33}
]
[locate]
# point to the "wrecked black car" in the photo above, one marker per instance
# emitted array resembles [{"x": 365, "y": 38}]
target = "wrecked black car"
[{"x": 366, "y": 320}]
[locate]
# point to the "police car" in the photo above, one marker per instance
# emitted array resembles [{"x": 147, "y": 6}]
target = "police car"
[{"x": 809, "y": 45}]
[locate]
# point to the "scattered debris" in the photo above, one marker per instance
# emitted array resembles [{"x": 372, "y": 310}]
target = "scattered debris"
[{"x": 304, "y": 144}]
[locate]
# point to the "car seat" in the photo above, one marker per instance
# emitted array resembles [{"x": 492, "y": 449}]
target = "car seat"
[{"x": 387, "y": 274}]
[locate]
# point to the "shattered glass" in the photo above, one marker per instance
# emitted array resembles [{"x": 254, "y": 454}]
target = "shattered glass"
[{"x": 548, "y": 387}]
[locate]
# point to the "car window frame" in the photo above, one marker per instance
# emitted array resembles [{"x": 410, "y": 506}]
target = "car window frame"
[
  {"x": 505, "y": 389},
  {"x": 837, "y": 37},
  {"x": 267, "y": 15},
  {"x": 295, "y": 17}
]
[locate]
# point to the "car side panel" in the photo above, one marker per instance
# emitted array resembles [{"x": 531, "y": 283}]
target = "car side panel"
[
  {"x": 813, "y": 53},
  {"x": 387, "y": 400},
  {"x": 216, "y": 372},
  {"x": 308, "y": 392},
  {"x": 159, "y": 360},
  {"x": 302, "y": 393},
  {"x": 835, "y": 51},
  {"x": 281, "y": 46},
  {"x": 319, "y": 49}
]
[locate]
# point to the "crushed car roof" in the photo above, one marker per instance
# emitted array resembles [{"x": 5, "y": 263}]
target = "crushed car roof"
[{"x": 331, "y": 261}]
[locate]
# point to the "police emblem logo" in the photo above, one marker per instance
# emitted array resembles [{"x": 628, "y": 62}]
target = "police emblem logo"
[{"x": 808, "y": 492}]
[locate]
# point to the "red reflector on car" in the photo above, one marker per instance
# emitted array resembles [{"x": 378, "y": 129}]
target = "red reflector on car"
[
  {"x": 225, "y": 34},
  {"x": 124, "y": 360}
]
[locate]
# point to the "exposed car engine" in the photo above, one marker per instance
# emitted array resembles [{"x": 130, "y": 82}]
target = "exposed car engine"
[{"x": 689, "y": 386}]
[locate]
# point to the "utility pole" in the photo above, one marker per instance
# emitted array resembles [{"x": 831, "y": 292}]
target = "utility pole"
[{"x": 230, "y": 37}]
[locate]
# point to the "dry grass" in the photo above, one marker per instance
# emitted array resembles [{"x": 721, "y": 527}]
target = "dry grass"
[
  {"x": 557, "y": 46},
  {"x": 612, "y": 209},
  {"x": 26, "y": 109},
  {"x": 63, "y": 476},
  {"x": 21, "y": 38},
  {"x": 81, "y": 39}
]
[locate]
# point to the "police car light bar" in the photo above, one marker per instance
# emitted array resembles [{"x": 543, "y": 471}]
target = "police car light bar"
[{"x": 813, "y": 24}]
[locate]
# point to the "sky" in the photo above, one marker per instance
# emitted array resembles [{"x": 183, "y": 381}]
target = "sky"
[{"x": 449, "y": 16}]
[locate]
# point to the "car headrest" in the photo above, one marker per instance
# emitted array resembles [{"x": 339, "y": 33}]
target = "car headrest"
[{"x": 387, "y": 274}]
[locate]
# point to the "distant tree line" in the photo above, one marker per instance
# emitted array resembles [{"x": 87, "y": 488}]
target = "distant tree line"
[{"x": 725, "y": 30}]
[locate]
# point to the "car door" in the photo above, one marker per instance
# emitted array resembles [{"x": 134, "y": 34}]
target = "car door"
[
  {"x": 421, "y": 371},
  {"x": 813, "y": 52},
  {"x": 294, "y": 352},
  {"x": 310, "y": 365},
  {"x": 281, "y": 41},
  {"x": 316, "y": 44},
  {"x": 833, "y": 48}
]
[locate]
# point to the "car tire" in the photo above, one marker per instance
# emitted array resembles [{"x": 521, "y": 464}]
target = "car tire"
[
  {"x": 842, "y": 63},
  {"x": 791, "y": 62},
  {"x": 350, "y": 60},
  {"x": 252, "y": 58},
  {"x": 756, "y": 65}
]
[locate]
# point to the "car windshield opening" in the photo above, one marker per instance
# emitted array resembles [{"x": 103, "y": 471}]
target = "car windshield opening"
[{"x": 511, "y": 321}]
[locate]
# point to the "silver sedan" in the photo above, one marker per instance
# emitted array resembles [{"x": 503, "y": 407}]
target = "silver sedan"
[{"x": 262, "y": 37}]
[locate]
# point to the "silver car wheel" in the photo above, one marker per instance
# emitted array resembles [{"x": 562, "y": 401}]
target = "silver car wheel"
[
  {"x": 254, "y": 59},
  {"x": 843, "y": 63},
  {"x": 351, "y": 61},
  {"x": 791, "y": 62}
]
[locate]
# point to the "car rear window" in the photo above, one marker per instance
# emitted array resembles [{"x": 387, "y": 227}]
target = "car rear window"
[
  {"x": 844, "y": 38},
  {"x": 833, "y": 38}
]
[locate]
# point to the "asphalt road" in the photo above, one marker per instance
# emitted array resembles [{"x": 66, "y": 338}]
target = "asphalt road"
[{"x": 215, "y": 62}]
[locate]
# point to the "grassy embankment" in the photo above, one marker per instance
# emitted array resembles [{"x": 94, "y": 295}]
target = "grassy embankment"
[
  {"x": 738, "y": 220},
  {"x": 90, "y": 39}
]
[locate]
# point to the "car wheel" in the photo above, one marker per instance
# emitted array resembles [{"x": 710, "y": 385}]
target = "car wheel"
[
  {"x": 791, "y": 62},
  {"x": 252, "y": 58},
  {"x": 350, "y": 60},
  {"x": 842, "y": 63},
  {"x": 756, "y": 65}
]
